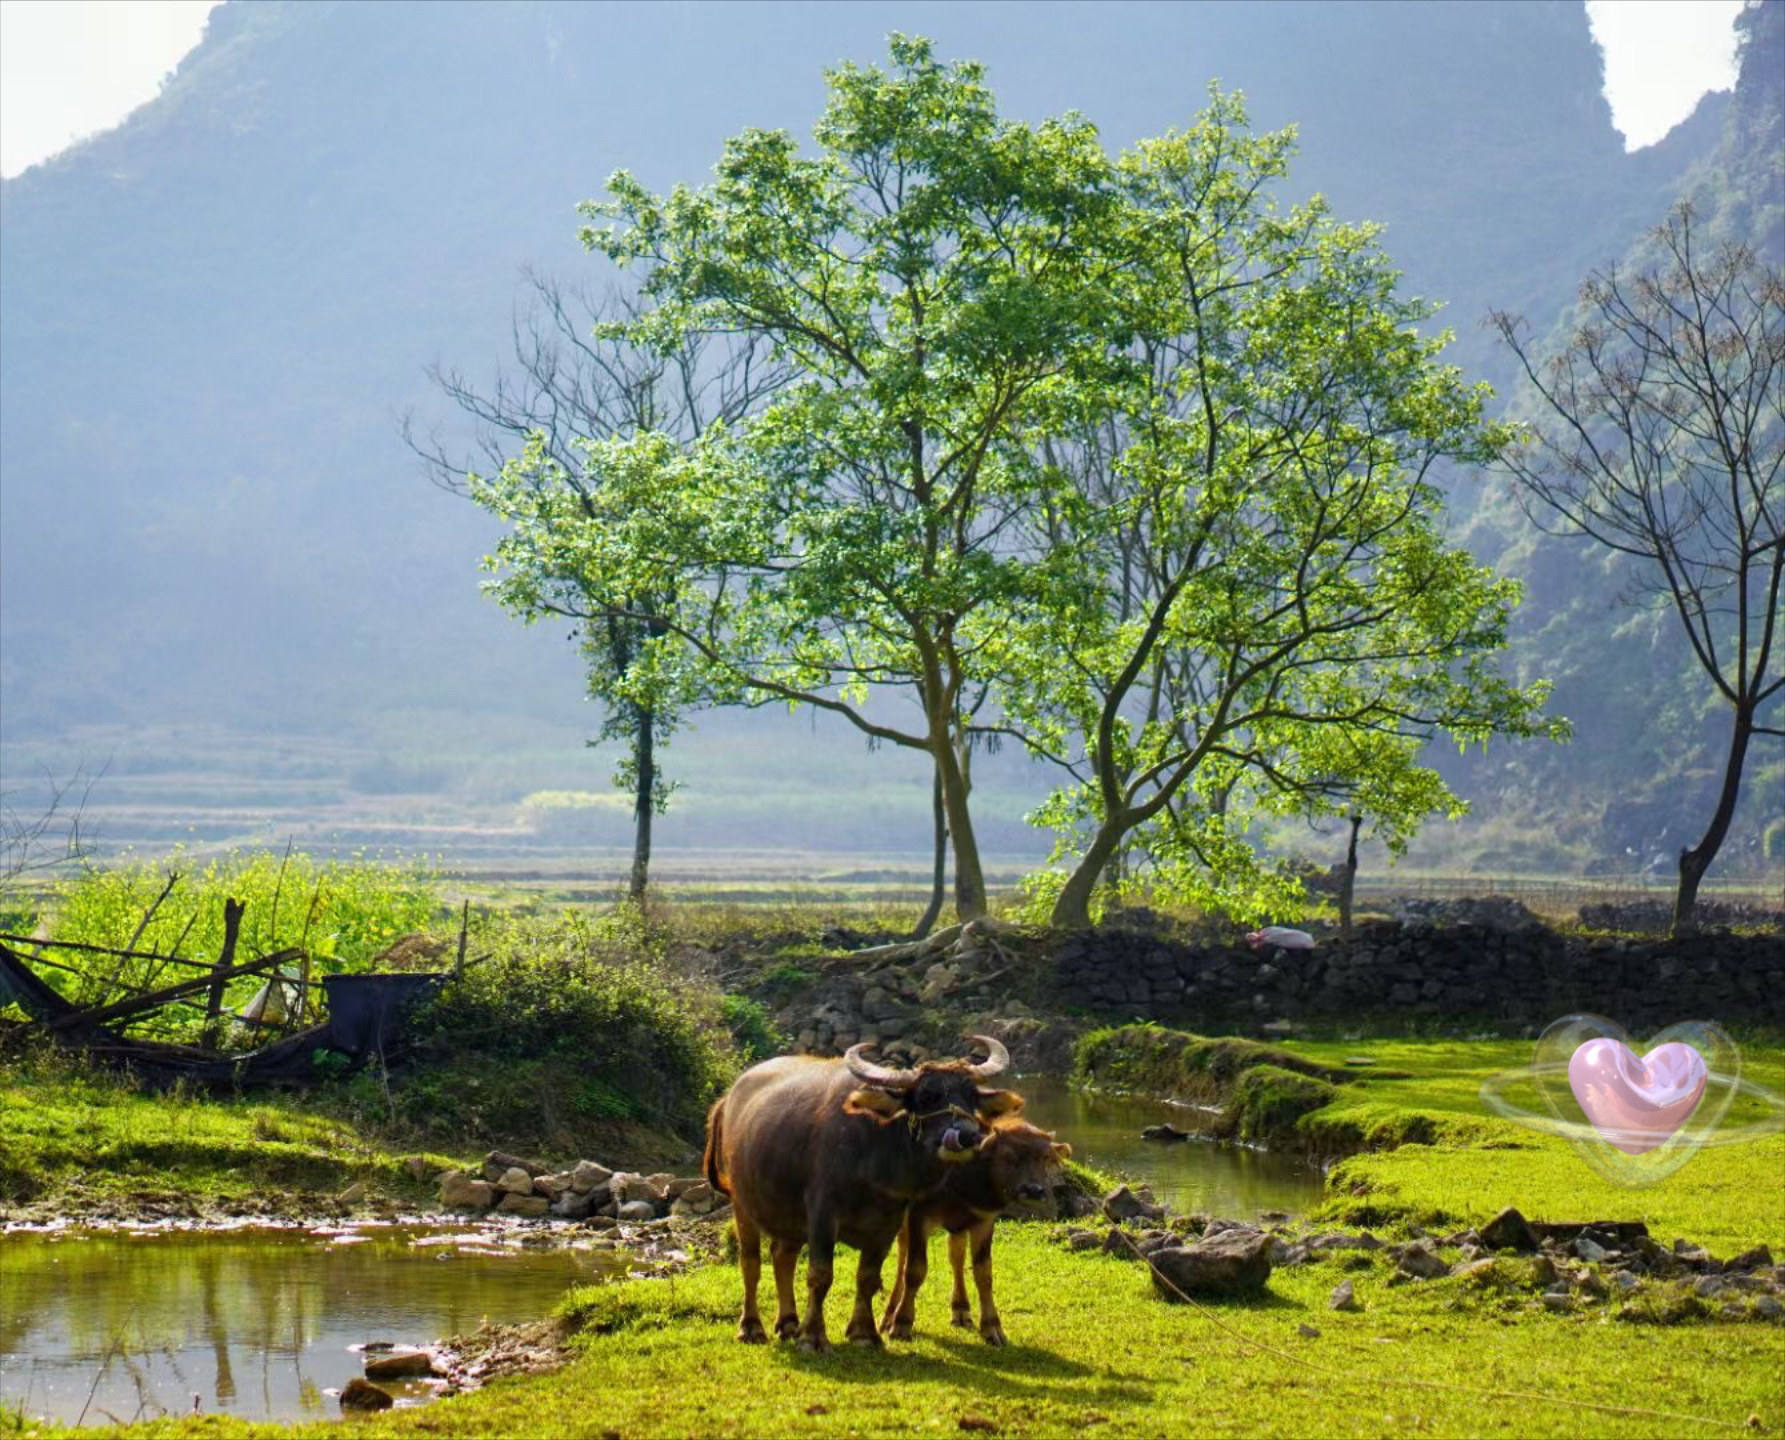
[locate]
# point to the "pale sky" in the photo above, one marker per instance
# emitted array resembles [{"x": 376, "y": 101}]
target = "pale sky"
[{"x": 71, "y": 68}]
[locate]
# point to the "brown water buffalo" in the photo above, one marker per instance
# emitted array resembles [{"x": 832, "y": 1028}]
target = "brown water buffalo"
[
  {"x": 1017, "y": 1166},
  {"x": 816, "y": 1151}
]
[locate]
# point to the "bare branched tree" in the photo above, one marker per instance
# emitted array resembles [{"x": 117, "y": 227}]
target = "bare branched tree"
[
  {"x": 49, "y": 833},
  {"x": 1664, "y": 439},
  {"x": 568, "y": 384}
]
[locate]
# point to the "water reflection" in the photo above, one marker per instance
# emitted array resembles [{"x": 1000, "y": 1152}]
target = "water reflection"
[
  {"x": 251, "y": 1322},
  {"x": 1191, "y": 1175}
]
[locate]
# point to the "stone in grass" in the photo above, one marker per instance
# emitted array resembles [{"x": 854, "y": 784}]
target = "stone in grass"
[
  {"x": 1758, "y": 1258},
  {"x": 1307, "y": 1331},
  {"x": 358, "y": 1394},
  {"x": 1509, "y": 1230},
  {"x": 1122, "y": 1204},
  {"x": 1343, "y": 1297},
  {"x": 1235, "y": 1262},
  {"x": 1083, "y": 1240},
  {"x": 1418, "y": 1261}
]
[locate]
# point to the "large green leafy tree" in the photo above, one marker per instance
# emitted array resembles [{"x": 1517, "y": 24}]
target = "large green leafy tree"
[
  {"x": 931, "y": 273},
  {"x": 1273, "y": 622}
]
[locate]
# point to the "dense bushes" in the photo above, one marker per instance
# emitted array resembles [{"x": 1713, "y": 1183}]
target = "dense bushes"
[{"x": 561, "y": 1031}]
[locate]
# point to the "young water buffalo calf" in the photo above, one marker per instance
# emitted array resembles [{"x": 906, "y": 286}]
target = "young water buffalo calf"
[{"x": 1017, "y": 1166}]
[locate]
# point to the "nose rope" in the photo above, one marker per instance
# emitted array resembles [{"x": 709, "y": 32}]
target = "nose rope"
[{"x": 915, "y": 1120}]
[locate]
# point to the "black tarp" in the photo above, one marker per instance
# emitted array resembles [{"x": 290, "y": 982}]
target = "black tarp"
[{"x": 366, "y": 1012}]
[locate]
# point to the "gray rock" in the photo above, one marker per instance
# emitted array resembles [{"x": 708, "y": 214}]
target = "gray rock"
[
  {"x": 1418, "y": 1261},
  {"x": 358, "y": 1394},
  {"x": 1082, "y": 1240},
  {"x": 400, "y": 1367},
  {"x": 1589, "y": 1251},
  {"x": 515, "y": 1181},
  {"x": 1236, "y": 1262},
  {"x": 1509, "y": 1230},
  {"x": 1625, "y": 1281},
  {"x": 1342, "y": 1298},
  {"x": 1543, "y": 1271},
  {"x": 573, "y": 1206},
  {"x": 1557, "y": 1300},
  {"x": 628, "y": 1186},
  {"x": 458, "y": 1191},
  {"x": 1768, "y": 1308},
  {"x": 550, "y": 1186},
  {"x": 1120, "y": 1243},
  {"x": 589, "y": 1176},
  {"x": 637, "y": 1210},
  {"x": 516, "y": 1204},
  {"x": 1708, "y": 1287},
  {"x": 497, "y": 1162},
  {"x": 1122, "y": 1204},
  {"x": 1307, "y": 1331},
  {"x": 1756, "y": 1259}
]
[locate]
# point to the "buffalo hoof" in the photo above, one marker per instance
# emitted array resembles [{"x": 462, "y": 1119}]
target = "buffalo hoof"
[
  {"x": 993, "y": 1335},
  {"x": 787, "y": 1327},
  {"x": 869, "y": 1339},
  {"x": 962, "y": 1317},
  {"x": 899, "y": 1330},
  {"x": 750, "y": 1332},
  {"x": 814, "y": 1344}
]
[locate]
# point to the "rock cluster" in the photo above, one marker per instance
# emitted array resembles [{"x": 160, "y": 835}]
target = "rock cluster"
[
  {"x": 1548, "y": 1267},
  {"x": 513, "y": 1186},
  {"x": 1466, "y": 972}
]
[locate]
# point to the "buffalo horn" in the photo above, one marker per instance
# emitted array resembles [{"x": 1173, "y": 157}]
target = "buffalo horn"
[
  {"x": 869, "y": 1073},
  {"x": 995, "y": 1062}
]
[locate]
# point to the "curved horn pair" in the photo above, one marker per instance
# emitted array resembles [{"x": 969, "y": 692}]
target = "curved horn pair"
[{"x": 997, "y": 1060}]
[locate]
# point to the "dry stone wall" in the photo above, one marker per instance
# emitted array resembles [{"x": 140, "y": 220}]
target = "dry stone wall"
[{"x": 1526, "y": 976}]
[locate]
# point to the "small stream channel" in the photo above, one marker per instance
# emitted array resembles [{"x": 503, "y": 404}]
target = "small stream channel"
[{"x": 265, "y": 1323}]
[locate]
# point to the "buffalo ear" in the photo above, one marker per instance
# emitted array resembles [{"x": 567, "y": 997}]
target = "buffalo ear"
[
  {"x": 1062, "y": 1151},
  {"x": 993, "y": 1103},
  {"x": 882, "y": 1107}
]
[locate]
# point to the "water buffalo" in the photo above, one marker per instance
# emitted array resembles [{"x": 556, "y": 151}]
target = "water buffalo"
[
  {"x": 816, "y": 1151},
  {"x": 1017, "y": 1167}
]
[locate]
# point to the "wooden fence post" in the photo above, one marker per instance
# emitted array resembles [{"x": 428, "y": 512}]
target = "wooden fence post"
[{"x": 232, "y": 924}]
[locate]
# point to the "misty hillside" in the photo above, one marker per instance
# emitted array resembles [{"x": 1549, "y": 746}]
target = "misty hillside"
[{"x": 220, "y": 566}]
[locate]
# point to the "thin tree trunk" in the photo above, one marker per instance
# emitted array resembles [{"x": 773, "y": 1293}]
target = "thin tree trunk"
[
  {"x": 1348, "y": 881},
  {"x": 969, "y": 879},
  {"x": 1072, "y": 908},
  {"x": 644, "y": 800},
  {"x": 1696, "y": 861},
  {"x": 939, "y": 877}
]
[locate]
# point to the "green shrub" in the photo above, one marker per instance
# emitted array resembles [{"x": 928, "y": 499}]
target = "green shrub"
[
  {"x": 557, "y": 1028},
  {"x": 751, "y": 1029},
  {"x": 343, "y": 912}
]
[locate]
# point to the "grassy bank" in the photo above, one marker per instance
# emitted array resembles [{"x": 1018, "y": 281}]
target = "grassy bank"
[
  {"x": 1095, "y": 1351},
  {"x": 1423, "y": 1150}
]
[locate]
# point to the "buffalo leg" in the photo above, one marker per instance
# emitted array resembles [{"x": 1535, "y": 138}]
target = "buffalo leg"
[
  {"x": 750, "y": 1330},
  {"x": 821, "y": 1257},
  {"x": 914, "y": 1265},
  {"x": 991, "y": 1327},
  {"x": 959, "y": 1311},
  {"x": 862, "y": 1330},
  {"x": 786, "y": 1256}
]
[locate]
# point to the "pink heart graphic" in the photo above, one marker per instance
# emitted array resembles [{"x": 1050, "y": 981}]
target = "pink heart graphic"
[{"x": 1636, "y": 1103}]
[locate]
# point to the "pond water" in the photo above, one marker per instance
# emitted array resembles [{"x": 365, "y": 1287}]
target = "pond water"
[
  {"x": 255, "y": 1322},
  {"x": 1189, "y": 1175},
  {"x": 265, "y": 1323}
]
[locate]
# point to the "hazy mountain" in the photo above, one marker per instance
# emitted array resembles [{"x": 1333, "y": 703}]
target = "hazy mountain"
[{"x": 216, "y": 557}]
